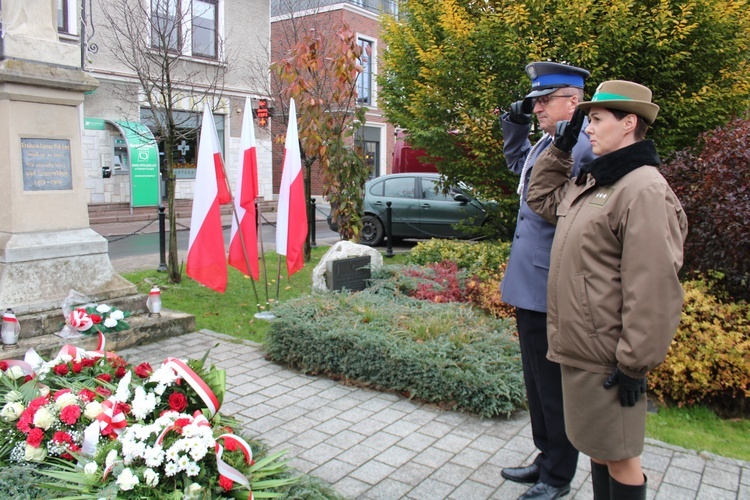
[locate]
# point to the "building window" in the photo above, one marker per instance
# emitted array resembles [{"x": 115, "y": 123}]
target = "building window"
[
  {"x": 63, "y": 19},
  {"x": 165, "y": 24},
  {"x": 205, "y": 28},
  {"x": 364, "y": 81}
]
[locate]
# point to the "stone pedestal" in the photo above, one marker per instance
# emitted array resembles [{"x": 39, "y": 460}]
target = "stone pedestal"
[{"x": 46, "y": 245}]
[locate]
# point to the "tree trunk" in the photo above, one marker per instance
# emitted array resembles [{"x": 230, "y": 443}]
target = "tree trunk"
[{"x": 173, "y": 260}]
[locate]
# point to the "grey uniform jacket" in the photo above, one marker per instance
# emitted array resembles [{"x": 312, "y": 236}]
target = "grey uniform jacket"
[{"x": 525, "y": 281}]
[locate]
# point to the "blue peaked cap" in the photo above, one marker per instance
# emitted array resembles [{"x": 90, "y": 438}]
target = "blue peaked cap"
[{"x": 546, "y": 77}]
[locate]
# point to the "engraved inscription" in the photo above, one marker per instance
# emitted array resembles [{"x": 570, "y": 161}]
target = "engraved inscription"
[{"x": 46, "y": 164}]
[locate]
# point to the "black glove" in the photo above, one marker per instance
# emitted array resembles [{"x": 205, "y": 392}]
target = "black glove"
[
  {"x": 520, "y": 111},
  {"x": 630, "y": 388},
  {"x": 566, "y": 132}
]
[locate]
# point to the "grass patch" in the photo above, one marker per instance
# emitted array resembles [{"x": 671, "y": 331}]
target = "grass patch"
[
  {"x": 232, "y": 313},
  {"x": 699, "y": 428}
]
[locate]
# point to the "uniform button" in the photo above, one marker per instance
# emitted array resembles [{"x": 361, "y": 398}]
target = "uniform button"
[
  {"x": 518, "y": 236},
  {"x": 521, "y": 217}
]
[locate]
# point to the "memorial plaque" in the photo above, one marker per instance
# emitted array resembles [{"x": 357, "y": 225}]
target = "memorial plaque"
[{"x": 46, "y": 164}]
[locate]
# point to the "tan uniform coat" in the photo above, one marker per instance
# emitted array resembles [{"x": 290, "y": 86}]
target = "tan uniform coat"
[{"x": 614, "y": 297}]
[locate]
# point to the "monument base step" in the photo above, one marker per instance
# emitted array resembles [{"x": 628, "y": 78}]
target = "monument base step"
[{"x": 143, "y": 329}]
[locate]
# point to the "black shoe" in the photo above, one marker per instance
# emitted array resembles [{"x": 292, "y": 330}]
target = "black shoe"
[
  {"x": 528, "y": 474},
  {"x": 543, "y": 491}
]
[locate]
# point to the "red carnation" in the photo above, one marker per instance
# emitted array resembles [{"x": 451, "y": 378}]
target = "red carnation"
[
  {"x": 182, "y": 422},
  {"x": 70, "y": 414},
  {"x": 3, "y": 365},
  {"x": 120, "y": 372},
  {"x": 27, "y": 378},
  {"x": 178, "y": 401},
  {"x": 225, "y": 483},
  {"x": 106, "y": 377},
  {"x": 95, "y": 318},
  {"x": 88, "y": 362},
  {"x": 123, "y": 407},
  {"x": 87, "y": 395},
  {"x": 231, "y": 444},
  {"x": 144, "y": 370},
  {"x": 37, "y": 403},
  {"x": 77, "y": 366},
  {"x": 62, "y": 437},
  {"x": 61, "y": 369},
  {"x": 35, "y": 437},
  {"x": 25, "y": 421}
]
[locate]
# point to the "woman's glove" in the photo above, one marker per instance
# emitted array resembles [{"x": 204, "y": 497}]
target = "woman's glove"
[
  {"x": 566, "y": 132},
  {"x": 630, "y": 388},
  {"x": 520, "y": 111}
]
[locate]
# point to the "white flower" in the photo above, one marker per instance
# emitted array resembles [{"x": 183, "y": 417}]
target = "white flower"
[
  {"x": 127, "y": 480},
  {"x": 171, "y": 469},
  {"x": 111, "y": 457},
  {"x": 11, "y": 411},
  {"x": 90, "y": 468},
  {"x": 43, "y": 418},
  {"x": 143, "y": 403},
  {"x": 117, "y": 315},
  {"x": 163, "y": 375},
  {"x": 151, "y": 477},
  {"x": 110, "y": 323},
  {"x": 154, "y": 457},
  {"x": 32, "y": 454},
  {"x": 92, "y": 410},
  {"x": 66, "y": 399},
  {"x": 103, "y": 308},
  {"x": 13, "y": 396},
  {"x": 15, "y": 372},
  {"x": 192, "y": 469}
]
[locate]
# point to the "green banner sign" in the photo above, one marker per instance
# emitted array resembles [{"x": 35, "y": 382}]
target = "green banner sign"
[{"x": 144, "y": 164}]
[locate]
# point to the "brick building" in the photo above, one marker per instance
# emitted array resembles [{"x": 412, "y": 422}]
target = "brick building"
[{"x": 289, "y": 17}]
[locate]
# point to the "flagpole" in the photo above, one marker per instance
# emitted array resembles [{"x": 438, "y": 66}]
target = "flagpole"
[
  {"x": 278, "y": 280},
  {"x": 259, "y": 224}
]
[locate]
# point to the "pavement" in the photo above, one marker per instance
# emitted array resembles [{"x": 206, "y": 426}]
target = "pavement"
[{"x": 376, "y": 445}]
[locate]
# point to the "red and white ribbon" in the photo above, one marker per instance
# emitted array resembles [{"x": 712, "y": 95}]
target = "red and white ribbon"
[
  {"x": 199, "y": 386},
  {"x": 198, "y": 419},
  {"x": 112, "y": 416},
  {"x": 227, "y": 470},
  {"x": 77, "y": 353}
]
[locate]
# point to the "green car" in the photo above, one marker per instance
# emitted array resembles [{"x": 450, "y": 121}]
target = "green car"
[{"x": 419, "y": 208}]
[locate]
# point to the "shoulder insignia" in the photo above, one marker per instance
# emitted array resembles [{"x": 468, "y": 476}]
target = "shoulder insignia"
[{"x": 601, "y": 196}]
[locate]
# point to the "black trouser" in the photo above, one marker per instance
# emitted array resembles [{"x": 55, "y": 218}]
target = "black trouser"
[{"x": 557, "y": 458}]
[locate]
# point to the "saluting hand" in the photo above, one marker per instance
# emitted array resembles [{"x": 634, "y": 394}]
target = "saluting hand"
[
  {"x": 520, "y": 111},
  {"x": 566, "y": 132}
]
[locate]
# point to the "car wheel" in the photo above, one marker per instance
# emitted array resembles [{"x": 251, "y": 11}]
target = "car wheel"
[{"x": 372, "y": 231}]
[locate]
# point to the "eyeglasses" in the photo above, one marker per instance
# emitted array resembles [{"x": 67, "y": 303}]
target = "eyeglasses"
[{"x": 544, "y": 100}]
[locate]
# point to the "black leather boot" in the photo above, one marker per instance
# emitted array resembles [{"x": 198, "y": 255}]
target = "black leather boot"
[
  {"x": 600, "y": 480},
  {"x": 619, "y": 491}
]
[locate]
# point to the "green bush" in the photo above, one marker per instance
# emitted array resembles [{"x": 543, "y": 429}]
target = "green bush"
[
  {"x": 440, "y": 353},
  {"x": 480, "y": 259},
  {"x": 709, "y": 359}
]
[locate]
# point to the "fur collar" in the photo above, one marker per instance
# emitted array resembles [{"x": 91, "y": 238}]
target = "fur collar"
[{"x": 613, "y": 166}]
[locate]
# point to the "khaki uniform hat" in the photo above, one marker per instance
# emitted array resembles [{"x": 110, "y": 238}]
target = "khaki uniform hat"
[{"x": 624, "y": 96}]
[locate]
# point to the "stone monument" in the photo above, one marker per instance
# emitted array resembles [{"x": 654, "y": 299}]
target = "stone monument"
[{"x": 47, "y": 247}]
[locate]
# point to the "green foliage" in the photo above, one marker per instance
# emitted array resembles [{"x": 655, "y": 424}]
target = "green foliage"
[
  {"x": 480, "y": 259},
  {"x": 709, "y": 360},
  {"x": 440, "y": 353},
  {"x": 449, "y": 65},
  {"x": 712, "y": 181},
  {"x": 24, "y": 482}
]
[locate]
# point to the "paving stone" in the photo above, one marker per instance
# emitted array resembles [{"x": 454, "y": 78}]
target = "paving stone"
[
  {"x": 488, "y": 474},
  {"x": 715, "y": 493},
  {"x": 387, "y": 416},
  {"x": 282, "y": 401},
  {"x": 358, "y": 455},
  {"x": 308, "y": 438},
  {"x": 421, "y": 416},
  {"x": 264, "y": 424},
  {"x": 401, "y": 428},
  {"x": 395, "y": 456},
  {"x": 411, "y": 473},
  {"x": 377, "y": 404},
  {"x": 321, "y": 453},
  {"x": 436, "y": 429},
  {"x": 451, "y": 473},
  {"x": 429, "y": 489},
  {"x": 372, "y": 472},
  {"x": 689, "y": 461},
  {"x": 725, "y": 479},
  {"x": 368, "y": 426},
  {"x": 452, "y": 443},
  {"x": 388, "y": 489},
  {"x": 300, "y": 425},
  {"x": 345, "y": 439},
  {"x": 333, "y": 470},
  {"x": 333, "y": 426},
  {"x": 433, "y": 458},
  {"x": 470, "y": 489},
  {"x": 683, "y": 478},
  {"x": 351, "y": 488},
  {"x": 471, "y": 458},
  {"x": 323, "y": 414},
  {"x": 416, "y": 442},
  {"x": 490, "y": 444},
  {"x": 654, "y": 461}
]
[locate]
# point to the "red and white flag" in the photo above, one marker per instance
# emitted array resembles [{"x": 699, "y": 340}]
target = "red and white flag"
[
  {"x": 206, "y": 257},
  {"x": 291, "y": 220},
  {"x": 245, "y": 193}
]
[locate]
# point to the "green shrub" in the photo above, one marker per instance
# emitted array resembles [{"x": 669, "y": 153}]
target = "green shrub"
[
  {"x": 440, "y": 353},
  {"x": 709, "y": 359},
  {"x": 480, "y": 259},
  {"x": 22, "y": 481}
]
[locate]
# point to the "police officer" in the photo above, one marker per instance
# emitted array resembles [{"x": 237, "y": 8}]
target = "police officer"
[{"x": 556, "y": 90}]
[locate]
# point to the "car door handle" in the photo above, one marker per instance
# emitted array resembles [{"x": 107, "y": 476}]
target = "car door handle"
[
  {"x": 378, "y": 203},
  {"x": 426, "y": 205}
]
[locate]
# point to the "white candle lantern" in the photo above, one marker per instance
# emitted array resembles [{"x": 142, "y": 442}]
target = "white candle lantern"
[
  {"x": 10, "y": 330},
  {"x": 154, "y": 302}
]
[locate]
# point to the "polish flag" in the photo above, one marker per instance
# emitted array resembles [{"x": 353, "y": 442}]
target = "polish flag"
[
  {"x": 206, "y": 257},
  {"x": 291, "y": 220},
  {"x": 245, "y": 193}
]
